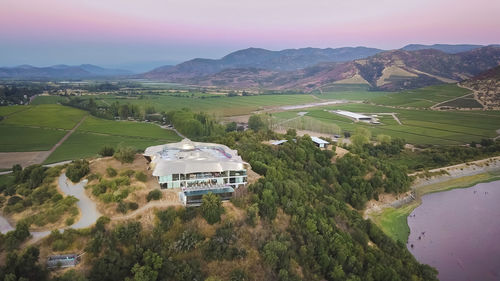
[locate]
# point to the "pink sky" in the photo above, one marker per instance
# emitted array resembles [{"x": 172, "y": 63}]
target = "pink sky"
[{"x": 224, "y": 25}]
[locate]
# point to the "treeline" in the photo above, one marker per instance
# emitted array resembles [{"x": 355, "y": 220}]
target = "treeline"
[
  {"x": 20, "y": 93},
  {"x": 436, "y": 157}
]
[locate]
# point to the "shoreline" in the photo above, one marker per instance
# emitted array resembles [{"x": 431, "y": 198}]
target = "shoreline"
[{"x": 391, "y": 214}]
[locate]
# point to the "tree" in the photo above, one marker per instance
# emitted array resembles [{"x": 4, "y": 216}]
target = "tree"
[
  {"x": 268, "y": 206},
  {"x": 253, "y": 214},
  {"x": 361, "y": 137},
  {"x": 275, "y": 253},
  {"x": 106, "y": 151},
  {"x": 211, "y": 208},
  {"x": 256, "y": 123},
  {"x": 384, "y": 139},
  {"x": 77, "y": 170},
  {"x": 149, "y": 271},
  {"x": 232, "y": 126},
  {"x": 125, "y": 154}
]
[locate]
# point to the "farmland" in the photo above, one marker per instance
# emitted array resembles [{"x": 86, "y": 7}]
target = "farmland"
[
  {"x": 421, "y": 98},
  {"x": 48, "y": 116},
  {"x": 17, "y": 138},
  {"x": 126, "y": 128},
  {"x": 40, "y": 127},
  {"x": 419, "y": 126},
  {"x": 81, "y": 145},
  {"x": 217, "y": 104}
]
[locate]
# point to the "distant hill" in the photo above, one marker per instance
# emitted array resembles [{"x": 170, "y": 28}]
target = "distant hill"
[
  {"x": 389, "y": 70},
  {"x": 447, "y": 48},
  {"x": 59, "y": 72},
  {"x": 486, "y": 87},
  {"x": 285, "y": 60}
]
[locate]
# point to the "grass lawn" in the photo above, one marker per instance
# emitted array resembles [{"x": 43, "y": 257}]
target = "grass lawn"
[
  {"x": 81, "y": 145},
  {"x": 127, "y": 128},
  {"x": 49, "y": 116},
  {"x": 18, "y": 138},
  {"x": 7, "y": 110},
  {"x": 394, "y": 221}
]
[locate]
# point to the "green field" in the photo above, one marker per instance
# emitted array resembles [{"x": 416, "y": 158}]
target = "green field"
[
  {"x": 8, "y": 110},
  {"x": 421, "y": 98},
  {"x": 49, "y": 116},
  {"x": 463, "y": 102},
  {"x": 18, "y": 138},
  {"x": 81, "y": 145},
  {"x": 48, "y": 100},
  {"x": 419, "y": 126},
  {"x": 126, "y": 128}
]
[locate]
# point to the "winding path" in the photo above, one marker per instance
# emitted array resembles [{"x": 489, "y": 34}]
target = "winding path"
[{"x": 88, "y": 209}]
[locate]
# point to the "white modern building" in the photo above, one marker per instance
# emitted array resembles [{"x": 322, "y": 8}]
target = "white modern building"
[{"x": 197, "y": 169}]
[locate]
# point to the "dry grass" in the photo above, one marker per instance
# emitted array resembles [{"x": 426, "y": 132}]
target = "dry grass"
[{"x": 141, "y": 189}]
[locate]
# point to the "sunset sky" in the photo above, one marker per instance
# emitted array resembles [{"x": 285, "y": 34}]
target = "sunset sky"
[{"x": 120, "y": 32}]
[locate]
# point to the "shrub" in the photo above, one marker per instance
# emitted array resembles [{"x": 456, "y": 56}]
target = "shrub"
[
  {"x": 77, "y": 170},
  {"x": 107, "y": 151},
  {"x": 95, "y": 176},
  {"x": 14, "y": 200},
  {"x": 132, "y": 205},
  {"x": 253, "y": 214},
  {"x": 127, "y": 173},
  {"x": 111, "y": 172},
  {"x": 140, "y": 176},
  {"x": 154, "y": 195},
  {"x": 125, "y": 154},
  {"x": 122, "y": 207},
  {"x": 70, "y": 221}
]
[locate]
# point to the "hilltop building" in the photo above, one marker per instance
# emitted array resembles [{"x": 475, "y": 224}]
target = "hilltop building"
[{"x": 197, "y": 169}]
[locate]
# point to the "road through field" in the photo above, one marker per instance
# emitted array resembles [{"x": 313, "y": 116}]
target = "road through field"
[{"x": 25, "y": 159}]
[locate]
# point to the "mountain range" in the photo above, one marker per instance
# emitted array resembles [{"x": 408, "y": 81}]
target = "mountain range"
[
  {"x": 318, "y": 69},
  {"x": 306, "y": 69},
  {"x": 60, "y": 72}
]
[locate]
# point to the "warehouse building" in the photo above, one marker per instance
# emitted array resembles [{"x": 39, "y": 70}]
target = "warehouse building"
[{"x": 353, "y": 115}]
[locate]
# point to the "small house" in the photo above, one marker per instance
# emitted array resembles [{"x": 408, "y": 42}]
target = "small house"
[{"x": 319, "y": 142}]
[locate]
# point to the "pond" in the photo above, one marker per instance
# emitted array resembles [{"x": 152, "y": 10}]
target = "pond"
[{"x": 458, "y": 232}]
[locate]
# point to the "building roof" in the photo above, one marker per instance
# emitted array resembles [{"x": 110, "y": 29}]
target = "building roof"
[
  {"x": 352, "y": 114},
  {"x": 62, "y": 260},
  {"x": 319, "y": 141},
  {"x": 187, "y": 157},
  {"x": 278, "y": 142}
]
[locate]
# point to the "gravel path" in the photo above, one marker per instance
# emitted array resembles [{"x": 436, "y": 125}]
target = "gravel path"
[{"x": 88, "y": 209}]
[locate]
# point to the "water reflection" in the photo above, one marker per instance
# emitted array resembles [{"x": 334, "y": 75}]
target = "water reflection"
[{"x": 458, "y": 232}]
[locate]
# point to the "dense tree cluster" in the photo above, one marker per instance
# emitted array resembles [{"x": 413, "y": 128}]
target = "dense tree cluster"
[
  {"x": 329, "y": 240},
  {"x": 77, "y": 170}
]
